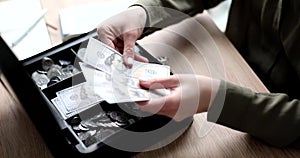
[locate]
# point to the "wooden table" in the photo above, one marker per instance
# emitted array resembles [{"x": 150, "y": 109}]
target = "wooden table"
[
  {"x": 197, "y": 46},
  {"x": 212, "y": 55}
]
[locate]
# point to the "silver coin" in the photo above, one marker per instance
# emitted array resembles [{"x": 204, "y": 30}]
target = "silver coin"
[
  {"x": 55, "y": 70},
  {"x": 47, "y": 63},
  {"x": 114, "y": 124},
  {"x": 75, "y": 120},
  {"x": 65, "y": 75},
  {"x": 163, "y": 60},
  {"x": 117, "y": 116},
  {"x": 80, "y": 127},
  {"x": 41, "y": 72},
  {"x": 41, "y": 80},
  {"x": 54, "y": 80},
  {"x": 69, "y": 71},
  {"x": 90, "y": 140},
  {"x": 100, "y": 124},
  {"x": 64, "y": 62},
  {"x": 85, "y": 135},
  {"x": 89, "y": 124}
]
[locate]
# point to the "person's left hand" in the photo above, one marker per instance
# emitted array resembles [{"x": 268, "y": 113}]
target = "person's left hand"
[
  {"x": 121, "y": 31},
  {"x": 190, "y": 94}
]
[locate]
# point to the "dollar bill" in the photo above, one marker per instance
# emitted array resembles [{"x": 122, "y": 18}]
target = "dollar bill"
[
  {"x": 61, "y": 108},
  {"x": 107, "y": 75},
  {"x": 104, "y": 58},
  {"x": 78, "y": 97},
  {"x": 114, "y": 89}
]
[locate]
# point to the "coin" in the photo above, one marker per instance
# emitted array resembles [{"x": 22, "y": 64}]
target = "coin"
[
  {"x": 85, "y": 135},
  {"x": 89, "y": 124},
  {"x": 55, "y": 70},
  {"x": 41, "y": 72},
  {"x": 163, "y": 60},
  {"x": 41, "y": 80},
  {"x": 75, "y": 121},
  {"x": 53, "y": 80},
  {"x": 64, "y": 62},
  {"x": 90, "y": 140},
  {"x": 47, "y": 63},
  {"x": 118, "y": 116},
  {"x": 80, "y": 127}
]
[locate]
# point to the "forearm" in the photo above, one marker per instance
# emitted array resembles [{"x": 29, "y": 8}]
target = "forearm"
[{"x": 271, "y": 117}]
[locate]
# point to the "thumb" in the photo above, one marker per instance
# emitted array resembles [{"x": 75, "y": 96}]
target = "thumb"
[
  {"x": 166, "y": 82},
  {"x": 129, "y": 39}
]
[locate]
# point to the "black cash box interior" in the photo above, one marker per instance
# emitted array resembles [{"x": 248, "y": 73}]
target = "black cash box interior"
[{"x": 77, "y": 135}]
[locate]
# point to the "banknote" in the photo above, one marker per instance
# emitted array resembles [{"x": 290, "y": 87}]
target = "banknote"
[
  {"x": 78, "y": 97},
  {"x": 104, "y": 58},
  {"x": 62, "y": 109},
  {"x": 114, "y": 89},
  {"x": 107, "y": 75}
]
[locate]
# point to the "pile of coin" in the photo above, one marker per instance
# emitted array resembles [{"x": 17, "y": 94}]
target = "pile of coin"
[
  {"x": 100, "y": 126},
  {"x": 53, "y": 73}
]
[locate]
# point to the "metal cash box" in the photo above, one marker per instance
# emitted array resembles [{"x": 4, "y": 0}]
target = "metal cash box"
[{"x": 95, "y": 130}]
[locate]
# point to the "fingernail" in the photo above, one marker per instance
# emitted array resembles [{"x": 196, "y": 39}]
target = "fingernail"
[{"x": 130, "y": 60}]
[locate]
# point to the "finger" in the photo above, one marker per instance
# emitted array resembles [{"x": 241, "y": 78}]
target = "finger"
[
  {"x": 166, "y": 82},
  {"x": 108, "y": 42},
  {"x": 104, "y": 36},
  {"x": 141, "y": 59},
  {"x": 153, "y": 106},
  {"x": 129, "y": 43}
]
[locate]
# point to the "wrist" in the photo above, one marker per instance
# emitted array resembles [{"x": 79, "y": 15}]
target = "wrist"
[{"x": 208, "y": 89}]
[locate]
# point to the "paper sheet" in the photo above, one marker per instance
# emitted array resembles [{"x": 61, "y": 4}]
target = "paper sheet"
[
  {"x": 84, "y": 18},
  {"x": 16, "y": 16}
]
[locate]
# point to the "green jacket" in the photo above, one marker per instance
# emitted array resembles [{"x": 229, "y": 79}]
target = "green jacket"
[{"x": 267, "y": 34}]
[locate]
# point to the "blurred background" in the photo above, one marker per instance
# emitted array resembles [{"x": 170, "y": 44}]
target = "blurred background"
[{"x": 32, "y": 26}]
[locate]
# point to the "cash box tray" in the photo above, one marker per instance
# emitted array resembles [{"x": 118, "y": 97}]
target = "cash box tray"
[{"x": 91, "y": 130}]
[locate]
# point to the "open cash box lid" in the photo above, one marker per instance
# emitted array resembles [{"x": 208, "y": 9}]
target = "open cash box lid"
[{"x": 56, "y": 131}]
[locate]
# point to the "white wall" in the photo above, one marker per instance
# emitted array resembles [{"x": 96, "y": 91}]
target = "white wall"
[{"x": 219, "y": 14}]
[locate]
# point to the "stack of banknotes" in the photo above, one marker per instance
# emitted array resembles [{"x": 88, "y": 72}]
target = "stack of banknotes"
[{"x": 108, "y": 79}]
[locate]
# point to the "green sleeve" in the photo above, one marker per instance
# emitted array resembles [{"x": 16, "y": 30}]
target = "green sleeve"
[
  {"x": 271, "y": 117},
  {"x": 165, "y": 12}
]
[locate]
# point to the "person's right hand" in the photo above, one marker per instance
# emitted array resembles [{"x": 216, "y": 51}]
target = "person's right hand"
[
  {"x": 121, "y": 32},
  {"x": 190, "y": 94}
]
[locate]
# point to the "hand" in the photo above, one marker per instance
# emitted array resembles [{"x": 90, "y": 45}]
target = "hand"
[
  {"x": 190, "y": 94},
  {"x": 121, "y": 32}
]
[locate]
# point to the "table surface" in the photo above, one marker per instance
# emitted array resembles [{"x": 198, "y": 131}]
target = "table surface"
[{"x": 211, "y": 55}]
